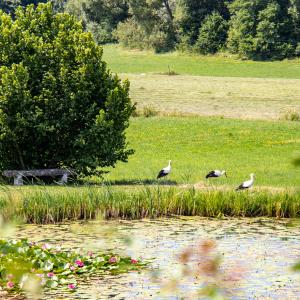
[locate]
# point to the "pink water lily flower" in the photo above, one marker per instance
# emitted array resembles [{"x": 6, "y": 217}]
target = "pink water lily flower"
[
  {"x": 10, "y": 284},
  {"x": 72, "y": 286},
  {"x": 79, "y": 263},
  {"x": 90, "y": 253},
  {"x": 112, "y": 260},
  {"x": 50, "y": 274},
  {"x": 72, "y": 268},
  {"x": 46, "y": 246},
  {"x": 133, "y": 261}
]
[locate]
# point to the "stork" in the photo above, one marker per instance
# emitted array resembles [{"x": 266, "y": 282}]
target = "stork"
[
  {"x": 216, "y": 173},
  {"x": 165, "y": 171},
  {"x": 246, "y": 184}
]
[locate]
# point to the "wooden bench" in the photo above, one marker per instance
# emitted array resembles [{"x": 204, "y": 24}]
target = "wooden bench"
[{"x": 19, "y": 174}]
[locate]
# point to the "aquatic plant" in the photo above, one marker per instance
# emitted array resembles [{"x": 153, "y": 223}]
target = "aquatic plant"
[
  {"x": 56, "y": 204},
  {"x": 51, "y": 267}
]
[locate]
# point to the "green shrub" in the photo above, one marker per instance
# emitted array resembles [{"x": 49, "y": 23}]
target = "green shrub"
[
  {"x": 212, "y": 34},
  {"x": 132, "y": 35},
  {"x": 292, "y": 115},
  {"x": 59, "y": 105},
  {"x": 159, "y": 41},
  {"x": 100, "y": 32},
  {"x": 149, "y": 111},
  {"x": 170, "y": 72}
]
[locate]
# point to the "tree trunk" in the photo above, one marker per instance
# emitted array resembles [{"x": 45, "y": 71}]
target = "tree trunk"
[
  {"x": 20, "y": 157},
  {"x": 168, "y": 8}
]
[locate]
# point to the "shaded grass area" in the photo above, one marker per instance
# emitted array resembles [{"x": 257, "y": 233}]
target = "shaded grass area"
[
  {"x": 197, "y": 145},
  {"x": 124, "y": 61},
  {"x": 49, "y": 205}
]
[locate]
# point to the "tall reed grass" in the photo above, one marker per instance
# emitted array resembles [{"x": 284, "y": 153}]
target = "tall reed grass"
[{"x": 50, "y": 205}]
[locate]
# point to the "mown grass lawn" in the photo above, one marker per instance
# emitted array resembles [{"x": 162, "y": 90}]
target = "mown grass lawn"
[
  {"x": 125, "y": 61},
  {"x": 197, "y": 145},
  {"x": 246, "y": 98}
]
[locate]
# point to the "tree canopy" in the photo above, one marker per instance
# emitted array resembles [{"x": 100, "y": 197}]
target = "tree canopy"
[
  {"x": 9, "y": 6},
  {"x": 59, "y": 105},
  {"x": 253, "y": 29}
]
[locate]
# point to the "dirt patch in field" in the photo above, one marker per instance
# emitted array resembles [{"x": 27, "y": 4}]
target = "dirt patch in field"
[{"x": 211, "y": 187}]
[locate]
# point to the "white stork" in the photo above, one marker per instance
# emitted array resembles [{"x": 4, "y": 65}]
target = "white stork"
[
  {"x": 246, "y": 184},
  {"x": 165, "y": 171},
  {"x": 216, "y": 173}
]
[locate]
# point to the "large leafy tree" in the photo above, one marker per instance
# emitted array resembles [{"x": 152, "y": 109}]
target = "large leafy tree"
[
  {"x": 100, "y": 17},
  {"x": 267, "y": 38},
  {"x": 150, "y": 25},
  {"x": 242, "y": 27},
  {"x": 9, "y": 6},
  {"x": 294, "y": 11},
  {"x": 191, "y": 13},
  {"x": 263, "y": 29},
  {"x": 212, "y": 34},
  {"x": 59, "y": 105}
]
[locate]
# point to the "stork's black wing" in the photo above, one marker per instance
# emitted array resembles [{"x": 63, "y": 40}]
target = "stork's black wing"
[
  {"x": 241, "y": 187},
  {"x": 161, "y": 173},
  {"x": 211, "y": 174}
]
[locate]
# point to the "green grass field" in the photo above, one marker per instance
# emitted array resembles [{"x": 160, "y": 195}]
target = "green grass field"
[
  {"x": 125, "y": 61},
  {"x": 226, "y": 87},
  {"x": 197, "y": 145}
]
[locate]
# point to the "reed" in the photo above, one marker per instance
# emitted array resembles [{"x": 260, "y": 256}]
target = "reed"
[{"x": 50, "y": 205}]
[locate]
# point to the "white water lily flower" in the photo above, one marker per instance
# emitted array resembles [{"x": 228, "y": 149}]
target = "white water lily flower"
[{"x": 58, "y": 248}]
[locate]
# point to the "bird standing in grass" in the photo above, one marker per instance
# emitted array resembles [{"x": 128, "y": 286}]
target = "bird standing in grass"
[
  {"x": 246, "y": 184},
  {"x": 216, "y": 173},
  {"x": 165, "y": 171}
]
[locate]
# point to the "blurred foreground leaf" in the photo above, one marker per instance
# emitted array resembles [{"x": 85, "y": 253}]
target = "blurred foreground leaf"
[
  {"x": 297, "y": 162},
  {"x": 296, "y": 267}
]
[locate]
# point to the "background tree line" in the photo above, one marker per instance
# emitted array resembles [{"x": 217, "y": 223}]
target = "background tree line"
[{"x": 253, "y": 29}]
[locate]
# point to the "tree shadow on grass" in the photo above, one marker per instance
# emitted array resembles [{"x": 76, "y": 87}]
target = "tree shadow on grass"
[
  {"x": 77, "y": 183},
  {"x": 140, "y": 182}
]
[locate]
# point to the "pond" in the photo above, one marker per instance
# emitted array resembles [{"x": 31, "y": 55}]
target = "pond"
[{"x": 262, "y": 251}]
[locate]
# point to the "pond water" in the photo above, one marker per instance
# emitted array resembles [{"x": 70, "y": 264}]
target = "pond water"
[{"x": 262, "y": 250}]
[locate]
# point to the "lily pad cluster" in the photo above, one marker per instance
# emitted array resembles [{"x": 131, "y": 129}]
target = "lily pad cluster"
[{"x": 53, "y": 267}]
